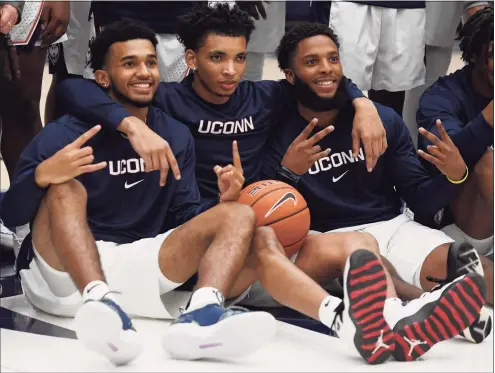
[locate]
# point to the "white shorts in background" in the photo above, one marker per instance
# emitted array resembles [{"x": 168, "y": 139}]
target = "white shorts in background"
[
  {"x": 404, "y": 242},
  {"x": 437, "y": 64},
  {"x": 131, "y": 269},
  {"x": 171, "y": 58},
  {"x": 78, "y": 33},
  {"x": 380, "y": 48}
]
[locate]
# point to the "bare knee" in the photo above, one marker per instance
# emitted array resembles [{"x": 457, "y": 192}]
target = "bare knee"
[
  {"x": 360, "y": 240},
  {"x": 435, "y": 265},
  {"x": 71, "y": 189},
  {"x": 484, "y": 168},
  {"x": 487, "y": 264},
  {"x": 238, "y": 213},
  {"x": 266, "y": 242}
]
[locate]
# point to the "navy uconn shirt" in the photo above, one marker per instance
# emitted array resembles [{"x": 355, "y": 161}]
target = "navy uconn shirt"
[
  {"x": 340, "y": 192},
  {"x": 125, "y": 204},
  {"x": 246, "y": 117},
  {"x": 454, "y": 100}
]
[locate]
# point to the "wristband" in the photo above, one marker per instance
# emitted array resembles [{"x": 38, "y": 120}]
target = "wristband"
[
  {"x": 288, "y": 174},
  {"x": 460, "y": 181}
]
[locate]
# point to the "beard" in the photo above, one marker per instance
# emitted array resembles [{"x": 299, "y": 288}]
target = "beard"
[
  {"x": 123, "y": 99},
  {"x": 308, "y": 98}
]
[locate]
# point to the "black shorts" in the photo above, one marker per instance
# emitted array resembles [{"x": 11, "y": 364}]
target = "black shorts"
[{"x": 56, "y": 60}]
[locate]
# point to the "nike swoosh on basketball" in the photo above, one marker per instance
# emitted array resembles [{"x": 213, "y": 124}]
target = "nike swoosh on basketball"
[
  {"x": 286, "y": 197},
  {"x": 127, "y": 186},
  {"x": 335, "y": 179}
]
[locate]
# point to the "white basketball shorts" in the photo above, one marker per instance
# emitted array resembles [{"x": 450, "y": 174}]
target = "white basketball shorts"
[{"x": 380, "y": 48}]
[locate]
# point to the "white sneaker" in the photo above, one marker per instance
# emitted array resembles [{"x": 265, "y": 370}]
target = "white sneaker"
[
  {"x": 360, "y": 320},
  {"x": 106, "y": 329},
  {"x": 437, "y": 316}
]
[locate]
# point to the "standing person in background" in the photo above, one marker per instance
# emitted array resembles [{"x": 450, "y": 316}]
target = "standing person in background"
[
  {"x": 383, "y": 45},
  {"x": 68, "y": 59},
  {"x": 161, "y": 17},
  {"x": 10, "y": 15},
  {"x": 265, "y": 38},
  {"x": 21, "y": 97},
  {"x": 442, "y": 19},
  {"x": 42, "y": 24}
]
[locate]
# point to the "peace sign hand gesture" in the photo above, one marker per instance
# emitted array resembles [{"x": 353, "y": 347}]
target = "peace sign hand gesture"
[
  {"x": 303, "y": 152},
  {"x": 231, "y": 177},
  {"x": 69, "y": 162},
  {"x": 443, "y": 153}
]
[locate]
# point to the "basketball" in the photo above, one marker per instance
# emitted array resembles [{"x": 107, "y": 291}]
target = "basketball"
[{"x": 281, "y": 207}]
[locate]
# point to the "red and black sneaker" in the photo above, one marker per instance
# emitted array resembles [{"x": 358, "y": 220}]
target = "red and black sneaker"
[
  {"x": 360, "y": 320},
  {"x": 438, "y": 315}
]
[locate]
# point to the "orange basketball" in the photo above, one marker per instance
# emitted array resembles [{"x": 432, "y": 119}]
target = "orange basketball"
[{"x": 281, "y": 207}]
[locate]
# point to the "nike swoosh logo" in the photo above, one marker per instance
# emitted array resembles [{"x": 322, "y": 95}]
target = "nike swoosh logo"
[
  {"x": 335, "y": 179},
  {"x": 127, "y": 186},
  {"x": 286, "y": 197}
]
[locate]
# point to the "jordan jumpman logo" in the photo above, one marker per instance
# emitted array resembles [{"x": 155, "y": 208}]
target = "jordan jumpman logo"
[
  {"x": 379, "y": 343},
  {"x": 413, "y": 343}
]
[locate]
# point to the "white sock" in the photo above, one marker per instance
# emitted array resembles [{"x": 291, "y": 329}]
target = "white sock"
[
  {"x": 392, "y": 311},
  {"x": 166, "y": 285},
  {"x": 326, "y": 312},
  {"x": 204, "y": 296},
  {"x": 96, "y": 290}
]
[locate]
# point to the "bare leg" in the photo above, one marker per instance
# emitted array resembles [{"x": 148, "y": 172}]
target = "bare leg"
[
  {"x": 435, "y": 265},
  {"x": 363, "y": 322},
  {"x": 215, "y": 244},
  {"x": 473, "y": 206},
  {"x": 286, "y": 283},
  {"x": 323, "y": 256},
  {"x": 62, "y": 237},
  {"x": 488, "y": 273},
  {"x": 404, "y": 290}
]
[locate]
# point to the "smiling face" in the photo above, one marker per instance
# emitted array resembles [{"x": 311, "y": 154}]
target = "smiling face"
[
  {"x": 316, "y": 73},
  {"x": 219, "y": 65},
  {"x": 316, "y": 63},
  {"x": 131, "y": 72}
]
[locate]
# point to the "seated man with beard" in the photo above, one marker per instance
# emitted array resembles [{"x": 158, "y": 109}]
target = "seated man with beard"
[{"x": 343, "y": 196}]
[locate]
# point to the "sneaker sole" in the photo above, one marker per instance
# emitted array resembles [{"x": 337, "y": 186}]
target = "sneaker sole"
[
  {"x": 456, "y": 309},
  {"x": 232, "y": 337},
  {"x": 366, "y": 287},
  {"x": 99, "y": 328},
  {"x": 480, "y": 329}
]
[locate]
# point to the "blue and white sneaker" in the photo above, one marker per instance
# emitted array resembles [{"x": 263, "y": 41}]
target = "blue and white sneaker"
[
  {"x": 106, "y": 329},
  {"x": 215, "y": 332}
]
